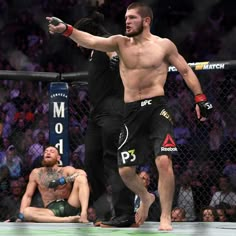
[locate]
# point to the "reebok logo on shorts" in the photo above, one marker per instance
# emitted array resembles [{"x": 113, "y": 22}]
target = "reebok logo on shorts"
[{"x": 169, "y": 144}]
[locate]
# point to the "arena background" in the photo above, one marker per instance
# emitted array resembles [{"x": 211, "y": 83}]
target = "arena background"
[{"x": 35, "y": 67}]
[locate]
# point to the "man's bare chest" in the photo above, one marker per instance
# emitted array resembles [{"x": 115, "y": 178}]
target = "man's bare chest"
[
  {"x": 44, "y": 178},
  {"x": 142, "y": 57}
]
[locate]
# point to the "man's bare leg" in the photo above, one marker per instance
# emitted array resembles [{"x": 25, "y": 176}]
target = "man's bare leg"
[
  {"x": 134, "y": 182},
  {"x": 166, "y": 187},
  {"x": 84, "y": 199},
  {"x": 43, "y": 215},
  {"x": 142, "y": 212},
  {"x": 79, "y": 197}
]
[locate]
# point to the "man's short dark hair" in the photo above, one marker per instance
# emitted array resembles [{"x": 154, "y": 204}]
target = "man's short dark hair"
[{"x": 143, "y": 9}]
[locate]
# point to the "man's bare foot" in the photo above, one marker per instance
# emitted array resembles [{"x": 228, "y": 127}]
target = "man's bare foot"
[
  {"x": 72, "y": 219},
  {"x": 165, "y": 224},
  {"x": 142, "y": 212},
  {"x": 83, "y": 218}
]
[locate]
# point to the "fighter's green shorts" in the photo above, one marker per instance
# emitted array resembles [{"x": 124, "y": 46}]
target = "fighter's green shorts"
[{"x": 62, "y": 208}]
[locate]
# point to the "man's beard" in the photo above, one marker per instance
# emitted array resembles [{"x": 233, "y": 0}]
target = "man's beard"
[
  {"x": 135, "y": 33},
  {"x": 49, "y": 163}
]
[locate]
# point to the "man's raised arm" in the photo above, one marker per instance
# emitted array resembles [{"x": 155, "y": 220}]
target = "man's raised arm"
[{"x": 83, "y": 39}]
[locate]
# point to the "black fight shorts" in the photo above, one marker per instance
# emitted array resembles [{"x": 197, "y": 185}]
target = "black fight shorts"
[
  {"x": 62, "y": 208},
  {"x": 147, "y": 129}
]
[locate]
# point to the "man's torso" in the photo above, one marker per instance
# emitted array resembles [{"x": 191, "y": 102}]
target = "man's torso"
[
  {"x": 44, "y": 178},
  {"x": 143, "y": 68}
]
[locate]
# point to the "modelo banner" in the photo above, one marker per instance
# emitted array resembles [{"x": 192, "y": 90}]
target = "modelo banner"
[{"x": 58, "y": 119}]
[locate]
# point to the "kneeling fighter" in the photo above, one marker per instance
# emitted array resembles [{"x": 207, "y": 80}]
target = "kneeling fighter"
[{"x": 64, "y": 192}]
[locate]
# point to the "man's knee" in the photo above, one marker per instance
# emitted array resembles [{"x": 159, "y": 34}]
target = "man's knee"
[
  {"x": 80, "y": 179},
  {"x": 163, "y": 162},
  {"x": 27, "y": 212},
  {"x": 127, "y": 172}
]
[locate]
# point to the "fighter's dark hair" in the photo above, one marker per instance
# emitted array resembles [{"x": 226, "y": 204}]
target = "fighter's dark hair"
[
  {"x": 50, "y": 145},
  {"x": 143, "y": 9},
  {"x": 93, "y": 24}
]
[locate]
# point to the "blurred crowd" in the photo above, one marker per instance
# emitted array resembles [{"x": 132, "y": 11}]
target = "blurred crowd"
[{"x": 205, "y": 167}]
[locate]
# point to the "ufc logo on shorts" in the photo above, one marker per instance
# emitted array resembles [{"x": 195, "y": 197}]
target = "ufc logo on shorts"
[
  {"x": 130, "y": 156},
  {"x": 146, "y": 102}
]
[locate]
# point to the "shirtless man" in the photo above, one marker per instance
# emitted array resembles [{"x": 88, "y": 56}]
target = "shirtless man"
[
  {"x": 144, "y": 62},
  {"x": 60, "y": 197}
]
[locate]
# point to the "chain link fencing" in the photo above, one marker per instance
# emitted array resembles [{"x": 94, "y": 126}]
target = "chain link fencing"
[{"x": 206, "y": 149}]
